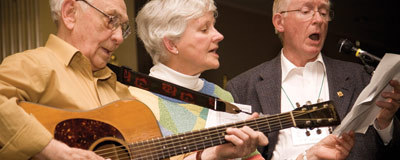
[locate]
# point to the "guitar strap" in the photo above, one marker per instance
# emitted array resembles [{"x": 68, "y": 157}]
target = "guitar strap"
[{"x": 126, "y": 76}]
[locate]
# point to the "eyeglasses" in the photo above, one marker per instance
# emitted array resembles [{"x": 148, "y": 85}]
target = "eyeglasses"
[
  {"x": 114, "y": 22},
  {"x": 306, "y": 13}
]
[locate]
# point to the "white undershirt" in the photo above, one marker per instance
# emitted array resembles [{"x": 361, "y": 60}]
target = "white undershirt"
[
  {"x": 165, "y": 73},
  {"x": 301, "y": 84}
]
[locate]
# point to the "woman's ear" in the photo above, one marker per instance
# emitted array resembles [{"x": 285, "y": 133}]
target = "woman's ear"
[
  {"x": 170, "y": 45},
  {"x": 278, "y": 22},
  {"x": 68, "y": 14}
]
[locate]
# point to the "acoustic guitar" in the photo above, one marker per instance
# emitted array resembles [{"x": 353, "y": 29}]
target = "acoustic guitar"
[{"x": 127, "y": 129}]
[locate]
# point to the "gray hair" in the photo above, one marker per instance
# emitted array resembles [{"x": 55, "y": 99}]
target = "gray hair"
[
  {"x": 55, "y": 9},
  {"x": 280, "y": 5},
  {"x": 167, "y": 18}
]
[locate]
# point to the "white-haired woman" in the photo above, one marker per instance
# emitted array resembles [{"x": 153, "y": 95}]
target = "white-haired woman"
[{"x": 182, "y": 41}]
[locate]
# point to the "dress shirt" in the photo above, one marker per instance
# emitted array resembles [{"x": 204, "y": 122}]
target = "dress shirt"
[
  {"x": 300, "y": 84},
  {"x": 55, "y": 75}
]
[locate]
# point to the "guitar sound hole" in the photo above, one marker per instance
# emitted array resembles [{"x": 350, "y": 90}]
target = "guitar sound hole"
[
  {"x": 112, "y": 149},
  {"x": 82, "y": 133}
]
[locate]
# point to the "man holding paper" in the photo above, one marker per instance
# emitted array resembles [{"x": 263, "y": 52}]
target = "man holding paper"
[{"x": 301, "y": 73}]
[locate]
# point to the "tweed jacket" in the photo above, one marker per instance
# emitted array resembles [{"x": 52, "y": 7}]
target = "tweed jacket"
[{"x": 260, "y": 87}]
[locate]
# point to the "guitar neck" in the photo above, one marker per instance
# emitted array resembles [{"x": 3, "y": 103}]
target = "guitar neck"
[{"x": 169, "y": 146}]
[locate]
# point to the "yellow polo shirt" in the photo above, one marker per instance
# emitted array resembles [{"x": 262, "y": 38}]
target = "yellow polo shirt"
[{"x": 56, "y": 75}]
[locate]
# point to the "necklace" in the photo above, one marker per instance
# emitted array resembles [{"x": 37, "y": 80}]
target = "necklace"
[{"x": 319, "y": 94}]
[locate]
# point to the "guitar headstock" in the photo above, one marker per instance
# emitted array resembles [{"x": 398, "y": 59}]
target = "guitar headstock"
[{"x": 316, "y": 115}]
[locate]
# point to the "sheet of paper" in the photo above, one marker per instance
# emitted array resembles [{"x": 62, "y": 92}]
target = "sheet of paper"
[
  {"x": 365, "y": 110},
  {"x": 218, "y": 118}
]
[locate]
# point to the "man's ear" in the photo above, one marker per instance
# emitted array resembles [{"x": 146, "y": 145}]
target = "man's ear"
[
  {"x": 170, "y": 45},
  {"x": 68, "y": 13},
  {"x": 278, "y": 22}
]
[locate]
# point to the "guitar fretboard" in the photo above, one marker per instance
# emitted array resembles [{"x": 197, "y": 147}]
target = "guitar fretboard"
[{"x": 169, "y": 146}]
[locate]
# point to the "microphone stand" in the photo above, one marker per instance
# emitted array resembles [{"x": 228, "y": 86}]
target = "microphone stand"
[
  {"x": 370, "y": 64},
  {"x": 370, "y": 69}
]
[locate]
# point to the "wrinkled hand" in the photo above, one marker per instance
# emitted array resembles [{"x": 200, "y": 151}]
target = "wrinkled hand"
[
  {"x": 332, "y": 147},
  {"x": 389, "y": 106},
  {"x": 243, "y": 142},
  {"x": 59, "y": 151}
]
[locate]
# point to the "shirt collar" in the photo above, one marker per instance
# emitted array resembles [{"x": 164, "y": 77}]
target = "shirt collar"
[
  {"x": 106, "y": 74},
  {"x": 65, "y": 51},
  {"x": 288, "y": 66},
  {"x": 69, "y": 55}
]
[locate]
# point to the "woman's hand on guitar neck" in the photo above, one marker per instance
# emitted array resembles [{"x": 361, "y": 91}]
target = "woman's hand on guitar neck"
[
  {"x": 244, "y": 141},
  {"x": 59, "y": 151}
]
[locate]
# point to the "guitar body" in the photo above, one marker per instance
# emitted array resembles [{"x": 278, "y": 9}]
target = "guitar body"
[{"x": 108, "y": 126}]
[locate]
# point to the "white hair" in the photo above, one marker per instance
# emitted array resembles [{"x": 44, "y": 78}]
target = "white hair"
[
  {"x": 167, "y": 18},
  {"x": 55, "y": 9}
]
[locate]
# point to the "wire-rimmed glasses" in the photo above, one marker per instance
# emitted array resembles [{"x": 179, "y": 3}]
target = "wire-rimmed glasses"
[
  {"x": 307, "y": 13},
  {"x": 114, "y": 22}
]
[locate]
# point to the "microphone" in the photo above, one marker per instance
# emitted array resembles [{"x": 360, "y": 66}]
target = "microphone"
[{"x": 345, "y": 46}]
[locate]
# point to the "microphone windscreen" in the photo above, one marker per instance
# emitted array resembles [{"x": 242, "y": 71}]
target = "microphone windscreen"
[{"x": 345, "y": 46}]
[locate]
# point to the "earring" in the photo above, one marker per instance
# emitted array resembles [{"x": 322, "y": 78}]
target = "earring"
[{"x": 177, "y": 52}]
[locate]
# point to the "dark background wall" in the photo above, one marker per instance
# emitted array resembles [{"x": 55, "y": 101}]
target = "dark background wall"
[{"x": 250, "y": 38}]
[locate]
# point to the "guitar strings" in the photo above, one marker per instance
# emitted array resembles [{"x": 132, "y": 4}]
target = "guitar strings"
[
  {"x": 277, "y": 127},
  {"x": 119, "y": 154},
  {"x": 174, "y": 153},
  {"x": 223, "y": 129},
  {"x": 179, "y": 146},
  {"x": 274, "y": 121},
  {"x": 157, "y": 152},
  {"x": 153, "y": 154},
  {"x": 284, "y": 125},
  {"x": 164, "y": 154}
]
